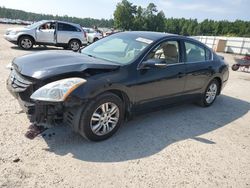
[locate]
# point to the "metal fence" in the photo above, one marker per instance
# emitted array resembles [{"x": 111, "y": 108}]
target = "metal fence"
[{"x": 236, "y": 45}]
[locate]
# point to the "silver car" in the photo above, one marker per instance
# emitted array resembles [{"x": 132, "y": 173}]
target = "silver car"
[{"x": 48, "y": 32}]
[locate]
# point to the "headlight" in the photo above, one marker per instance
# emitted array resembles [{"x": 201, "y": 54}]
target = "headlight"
[{"x": 57, "y": 91}]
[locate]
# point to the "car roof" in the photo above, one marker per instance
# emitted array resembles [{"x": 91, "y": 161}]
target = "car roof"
[
  {"x": 155, "y": 36},
  {"x": 78, "y": 25},
  {"x": 149, "y": 34}
]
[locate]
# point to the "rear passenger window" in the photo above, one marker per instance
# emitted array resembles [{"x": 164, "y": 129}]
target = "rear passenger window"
[
  {"x": 66, "y": 27},
  {"x": 194, "y": 53}
]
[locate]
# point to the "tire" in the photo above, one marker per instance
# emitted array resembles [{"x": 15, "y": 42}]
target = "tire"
[
  {"x": 99, "y": 127},
  {"x": 26, "y": 42},
  {"x": 208, "y": 99},
  {"x": 235, "y": 67},
  {"x": 74, "y": 45},
  {"x": 95, "y": 39}
]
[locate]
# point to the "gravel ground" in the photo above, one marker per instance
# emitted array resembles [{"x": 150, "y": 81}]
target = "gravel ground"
[{"x": 183, "y": 146}]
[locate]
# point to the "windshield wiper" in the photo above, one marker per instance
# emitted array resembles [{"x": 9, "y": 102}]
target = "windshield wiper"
[{"x": 91, "y": 55}]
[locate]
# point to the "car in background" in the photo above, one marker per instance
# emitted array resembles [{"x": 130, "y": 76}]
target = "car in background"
[
  {"x": 95, "y": 90},
  {"x": 93, "y": 34},
  {"x": 48, "y": 32},
  {"x": 111, "y": 32}
]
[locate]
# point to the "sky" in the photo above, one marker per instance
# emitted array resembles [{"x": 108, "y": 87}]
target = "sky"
[{"x": 199, "y": 9}]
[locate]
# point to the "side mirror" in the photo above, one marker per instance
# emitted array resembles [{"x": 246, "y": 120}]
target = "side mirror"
[{"x": 153, "y": 63}]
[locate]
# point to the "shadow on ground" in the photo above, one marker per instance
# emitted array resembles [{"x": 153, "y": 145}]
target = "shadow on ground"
[
  {"x": 150, "y": 133},
  {"x": 37, "y": 48}
]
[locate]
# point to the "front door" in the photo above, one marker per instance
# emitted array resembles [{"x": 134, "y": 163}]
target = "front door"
[
  {"x": 46, "y": 33},
  {"x": 157, "y": 84}
]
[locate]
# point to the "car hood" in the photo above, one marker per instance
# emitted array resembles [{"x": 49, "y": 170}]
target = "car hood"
[
  {"x": 17, "y": 29},
  {"x": 42, "y": 65}
]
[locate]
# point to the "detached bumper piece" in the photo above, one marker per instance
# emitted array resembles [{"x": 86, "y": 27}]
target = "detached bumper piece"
[{"x": 34, "y": 130}]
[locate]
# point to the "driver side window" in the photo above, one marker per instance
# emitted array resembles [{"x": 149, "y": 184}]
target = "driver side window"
[
  {"x": 167, "y": 51},
  {"x": 48, "y": 26}
]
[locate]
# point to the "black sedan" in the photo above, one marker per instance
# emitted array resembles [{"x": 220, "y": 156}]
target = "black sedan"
[{"x": 95, "y": 90}]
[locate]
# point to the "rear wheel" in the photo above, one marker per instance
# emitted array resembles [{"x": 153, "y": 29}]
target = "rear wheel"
[
  {"x": 74, "y": 45},
  {"x": 95, "y": 39},
  {"x": 210, "y": 94},
  {"x": 25, "y": 42},
  {"x": 102, "y": 117}
]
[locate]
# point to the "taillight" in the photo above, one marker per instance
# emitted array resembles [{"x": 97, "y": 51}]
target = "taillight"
[{"x": 84, "y": 34}]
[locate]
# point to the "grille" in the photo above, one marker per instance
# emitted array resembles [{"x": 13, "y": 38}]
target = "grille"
[{"x": 18, "y": 83}]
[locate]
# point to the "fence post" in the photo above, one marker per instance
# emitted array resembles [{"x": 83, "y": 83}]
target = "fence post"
[{"x": 242, "y": 46}]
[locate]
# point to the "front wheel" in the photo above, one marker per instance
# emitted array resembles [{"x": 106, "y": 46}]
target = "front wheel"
[
  {"x": 74, "y": 45},
  {"x": 102, "y": 117},
  {"x": 26, "y": 42},
  {"x": 210, "y": 94}
]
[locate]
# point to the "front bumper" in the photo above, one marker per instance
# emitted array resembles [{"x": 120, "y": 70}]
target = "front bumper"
[
  {"x": 11, "y": 38},
  {"x": 27, "y": 107},
  {"x": 45, "y": 114}
]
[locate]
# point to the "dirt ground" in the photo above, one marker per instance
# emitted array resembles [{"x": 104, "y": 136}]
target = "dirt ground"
[{"x": 183, "y": 146}]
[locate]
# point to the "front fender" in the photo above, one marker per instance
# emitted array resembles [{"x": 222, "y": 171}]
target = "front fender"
[{"x": 93, "y": 88}]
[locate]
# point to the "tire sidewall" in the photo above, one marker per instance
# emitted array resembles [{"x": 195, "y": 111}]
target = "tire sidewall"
[
  {"x": 79, "y": 43},
  {"x": 25, "y": 37},
  {"x": 235, "y": 67},
  {"x": 87, "y": 113},
  {"x": 205, "y": 103}
]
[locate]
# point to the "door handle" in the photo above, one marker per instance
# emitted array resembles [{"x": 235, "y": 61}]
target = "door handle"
[{"x": 181, "y": 74}]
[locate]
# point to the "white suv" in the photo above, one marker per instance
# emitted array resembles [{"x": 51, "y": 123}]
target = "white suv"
[
  {"x": 48, "y": 32},
  {"x": 92, "y": 35}
]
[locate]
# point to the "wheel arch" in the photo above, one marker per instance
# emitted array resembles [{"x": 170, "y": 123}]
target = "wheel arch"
[
  {"x": 75, "y": 39},
  {"x": 27, "y": 35},
  {"x": 124, "y": 97},
  {"x": 220, "y": 83}
]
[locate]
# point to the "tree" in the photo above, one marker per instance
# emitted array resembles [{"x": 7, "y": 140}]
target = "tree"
[
  {"x": 139, "y": 20},
  {"x": 124, "y": 15}
]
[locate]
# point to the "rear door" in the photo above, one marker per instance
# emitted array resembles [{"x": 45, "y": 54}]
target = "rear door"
[
  {"x": 65, "y": 32},
  {"x": 198, "y": 66}
]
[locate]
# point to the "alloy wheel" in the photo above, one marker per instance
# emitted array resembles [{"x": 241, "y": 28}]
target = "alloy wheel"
[
  {"x": 74, "y": 46},
  {"x": 104, "y": 119},
  {"x": 211, "y": 93},
  {"x": 26, "y": 43}
]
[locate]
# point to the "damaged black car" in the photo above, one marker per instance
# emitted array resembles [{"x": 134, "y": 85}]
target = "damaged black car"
[{"x": 95, "y": 90}]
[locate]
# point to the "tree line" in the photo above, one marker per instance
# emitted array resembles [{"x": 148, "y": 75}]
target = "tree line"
[
  {"x": 29, "y": 16},
  {"x": 131, "y": 17},
  {"x": 128, "y": 16}
]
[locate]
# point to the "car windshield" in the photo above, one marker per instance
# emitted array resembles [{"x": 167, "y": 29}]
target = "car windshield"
[
  {"x": 120, "y": 48},
  {"x": 34, "y": 25}
]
